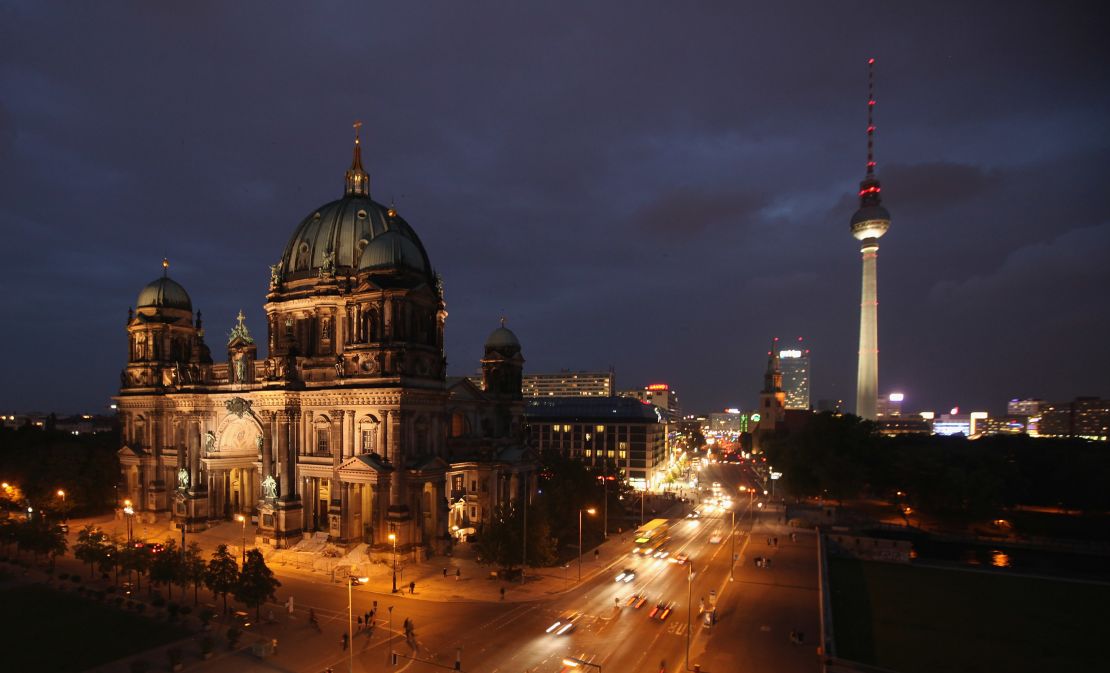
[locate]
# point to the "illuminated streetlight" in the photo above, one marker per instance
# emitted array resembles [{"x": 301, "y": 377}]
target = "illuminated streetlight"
[
  {"x": 393, "y": 539},
  {"x": 591, "y": 511},
  {"x": 351, "y": 581},
  {"x": 243, "y": 521}
]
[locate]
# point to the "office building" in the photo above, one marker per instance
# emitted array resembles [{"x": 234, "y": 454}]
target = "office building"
[{"x": 794, "y": 365}]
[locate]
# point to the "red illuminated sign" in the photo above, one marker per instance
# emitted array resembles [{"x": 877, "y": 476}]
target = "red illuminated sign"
[{"x": 658, "y": 386}]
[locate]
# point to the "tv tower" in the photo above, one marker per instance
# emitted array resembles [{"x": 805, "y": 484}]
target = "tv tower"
[{"x": 869, "y": 223}]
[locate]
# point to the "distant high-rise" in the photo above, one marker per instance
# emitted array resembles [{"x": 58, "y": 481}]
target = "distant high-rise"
[
  {"x": 869, "y": 223},
  {"x": 569, "y": 384},
  {"x": 794, "y": 365},
  {"x": 1025, "y": 407}
]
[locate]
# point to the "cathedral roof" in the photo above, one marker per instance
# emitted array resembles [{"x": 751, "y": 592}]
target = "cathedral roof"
[
  {"x": 164, "y": 292},
  {"x": 352, "y": 234},
  {"x": 501, "y": 337}
]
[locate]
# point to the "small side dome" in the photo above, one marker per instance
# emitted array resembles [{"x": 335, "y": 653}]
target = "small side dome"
[
  {"x": 164, "y": 293},
  {"x": 502, "y": 337},
  {"x": 392, "y": 250}
]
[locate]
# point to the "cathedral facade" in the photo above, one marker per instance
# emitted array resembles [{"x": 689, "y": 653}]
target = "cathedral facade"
[{"x": 349, "y": 425}]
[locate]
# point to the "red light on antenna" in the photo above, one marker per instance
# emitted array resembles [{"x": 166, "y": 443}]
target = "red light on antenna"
[
  {"x": 871, "y": 102},
  {"x": 870, "y": 61},
  {"x": 871, "y": 129}
]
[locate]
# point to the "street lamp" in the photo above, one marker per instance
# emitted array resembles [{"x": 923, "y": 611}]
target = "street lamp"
[
  {"x": 393, "y": 539},
  {"x": 352, "y": 581},
  {"x": 129, "y": 512},
  {"x": 689, "y": 606},
  {"x": 62, "y": 495},
  {"x": 243, "y": 521},
  {"x": 591, "y": 511},
  {"x": 575, "y": 662}
]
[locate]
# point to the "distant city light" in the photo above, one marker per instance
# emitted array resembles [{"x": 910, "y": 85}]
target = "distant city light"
[
  {"x": 955, "y": 410},
  {"x": 790, "y": 354},
  {"x": 658, "y": 386},
  {"x": 732, "y": 410},
  {"x": 897, "y": 397}
]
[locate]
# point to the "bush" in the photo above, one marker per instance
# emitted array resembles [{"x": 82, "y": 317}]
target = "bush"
[
  {"x": 139, "y": 666},
  {"x": 206, "y": 615},
  {"x": 63, "y": 576},
  {"x": 76, "y": 579},
  {"x": 185, "y": 610},
  {"x": 158, "y": 601},
  {"x": 206, "y": 644},
  {"x": 174, "y": 656},
  {"x": 233, "y": 637}
]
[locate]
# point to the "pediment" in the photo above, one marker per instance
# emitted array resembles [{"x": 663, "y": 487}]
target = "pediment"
[
  {"x": 366, "y": 463},
  {"x": 463, "y": 389}
]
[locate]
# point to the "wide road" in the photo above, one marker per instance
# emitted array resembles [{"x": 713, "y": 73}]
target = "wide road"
[{"x": 756, "y": 611}]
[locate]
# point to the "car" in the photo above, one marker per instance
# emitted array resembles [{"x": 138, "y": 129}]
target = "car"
[
  {"x": 715, "y": 538},
  {"x": 680, "y": 559},
  {"x": 626, "y": 575},
  {"x": 636, "y": 601},
  {"x": 564, "y": 624},
  {"x": 661, "y": 611},
  {"x": 662, "y": 553}
]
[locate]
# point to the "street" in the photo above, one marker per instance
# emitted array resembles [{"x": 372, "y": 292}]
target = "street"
[{"x": 755, "y": 613}]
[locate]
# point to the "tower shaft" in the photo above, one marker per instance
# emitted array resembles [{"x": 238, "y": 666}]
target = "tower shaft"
[{"x": 867, "y": 374}]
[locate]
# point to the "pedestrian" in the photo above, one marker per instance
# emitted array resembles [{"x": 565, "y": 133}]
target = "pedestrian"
[
  {"x": 412, "y": 587},
  {"x": 445, "y": 573},
  {"x": 343, "y": 639},
  {"x": 273, "y": 644},
  {"x": 458, "y": 573},
  {"x": 597, "y": 553},
  {"x": 502, "y": 593},
  {"x": 369, "y": 614},
  {"x": 270, "y": 616},
  {"x": 776, "y": 541},
  {"x": 360, "y": 623}
]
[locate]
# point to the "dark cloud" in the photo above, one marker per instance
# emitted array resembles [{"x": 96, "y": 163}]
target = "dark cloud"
[{"x": 655, "y": 187}]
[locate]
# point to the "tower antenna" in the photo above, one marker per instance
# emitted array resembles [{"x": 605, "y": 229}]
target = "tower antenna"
[{"x": 870, "y": 117}]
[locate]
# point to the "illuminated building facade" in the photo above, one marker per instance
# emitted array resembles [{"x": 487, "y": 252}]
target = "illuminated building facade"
[
  {"x": 616, "y": 434},
  {"x": 347, "y": 425},
  {"x": 1087, "y": 417},
  {"x": 869, "y": 223},
  {"x": 1025, "y": 407},
  {"x": 794, "y": 365},
  {"x": 889, "y": 406},
  {"x": 658, "y": 394},
  {"x": 569, "y": 384}
]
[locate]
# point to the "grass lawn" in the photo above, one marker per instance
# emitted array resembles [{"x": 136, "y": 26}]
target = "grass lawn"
[
  {"x": 46, "y": 630},
  {"x": 922, "y": 620}
]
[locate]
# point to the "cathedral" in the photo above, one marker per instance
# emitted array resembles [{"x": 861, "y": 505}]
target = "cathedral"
[{"x": 349, "y": 426}]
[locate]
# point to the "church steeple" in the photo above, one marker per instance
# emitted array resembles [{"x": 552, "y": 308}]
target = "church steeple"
[{"x": 358, "y": 181}]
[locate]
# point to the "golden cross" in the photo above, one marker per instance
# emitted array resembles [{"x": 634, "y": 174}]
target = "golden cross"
[{"x": 357, "y": 126}]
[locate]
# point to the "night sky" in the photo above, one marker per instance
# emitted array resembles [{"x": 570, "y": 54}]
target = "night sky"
[{"x": 659, "y": 187}]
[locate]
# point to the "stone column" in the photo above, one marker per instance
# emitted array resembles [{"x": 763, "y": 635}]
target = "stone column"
[
  {"x": 335, "y": 437},
  {"x": 383, "y": 436},
  {"x": 285, "y": 456},
  {"x": 267, "y": 421}
]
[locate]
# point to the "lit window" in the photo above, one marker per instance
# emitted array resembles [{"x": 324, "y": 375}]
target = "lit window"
[
  {"x": 623, "y": 454},
  {"x": 589, "y": 453},
  {"x": 601, "y": 428},
  {"x": 321, "y": 441},
  {"x": 609, "y": 453},
  {"x": 622, "y": 445}
]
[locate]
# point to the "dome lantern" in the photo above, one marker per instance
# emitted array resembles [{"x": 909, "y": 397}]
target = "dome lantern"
[{"x": 357, "y": 180}]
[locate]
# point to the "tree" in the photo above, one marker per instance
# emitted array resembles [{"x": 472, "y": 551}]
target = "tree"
[
  {"x": 194, "y": 569},
  {"x": 166, "y": 565},
  {"x": 136, "y": 557},
  {"x": 92, "y": 547},
  {"x": 222, "y": 574},
  {"x": 257, "y": 583},
  {"x": 542, "y": 550},
  {"x": 500, "y": 539}
]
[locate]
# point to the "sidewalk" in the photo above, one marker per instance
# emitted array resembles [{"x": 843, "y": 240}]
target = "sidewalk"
[{"x": 471, "y": 583}]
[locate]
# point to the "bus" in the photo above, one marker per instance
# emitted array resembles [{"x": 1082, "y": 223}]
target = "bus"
[{"x": 650, "y": 536}]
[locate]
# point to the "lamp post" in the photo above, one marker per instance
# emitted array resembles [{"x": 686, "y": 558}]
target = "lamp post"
[
  {"x": 524, "y": 544},
  {"x": 591, "y": 511},
  {"x": 732, "y": 536},
  {"x": 393, "y": 539},
  {"x": 243, "y": 521},
  {"x": 351, "y": 582},
  {"x": 389, "y": 643},
  {"x": 129, "y": 512},
  {"x": 689, "y": 606},
  {"x": 62, "y": 495}
]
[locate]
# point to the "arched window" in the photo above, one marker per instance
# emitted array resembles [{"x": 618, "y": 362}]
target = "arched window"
[
  {"x": 460, "y": 425},
  {"x": 368, "y": 434}
]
